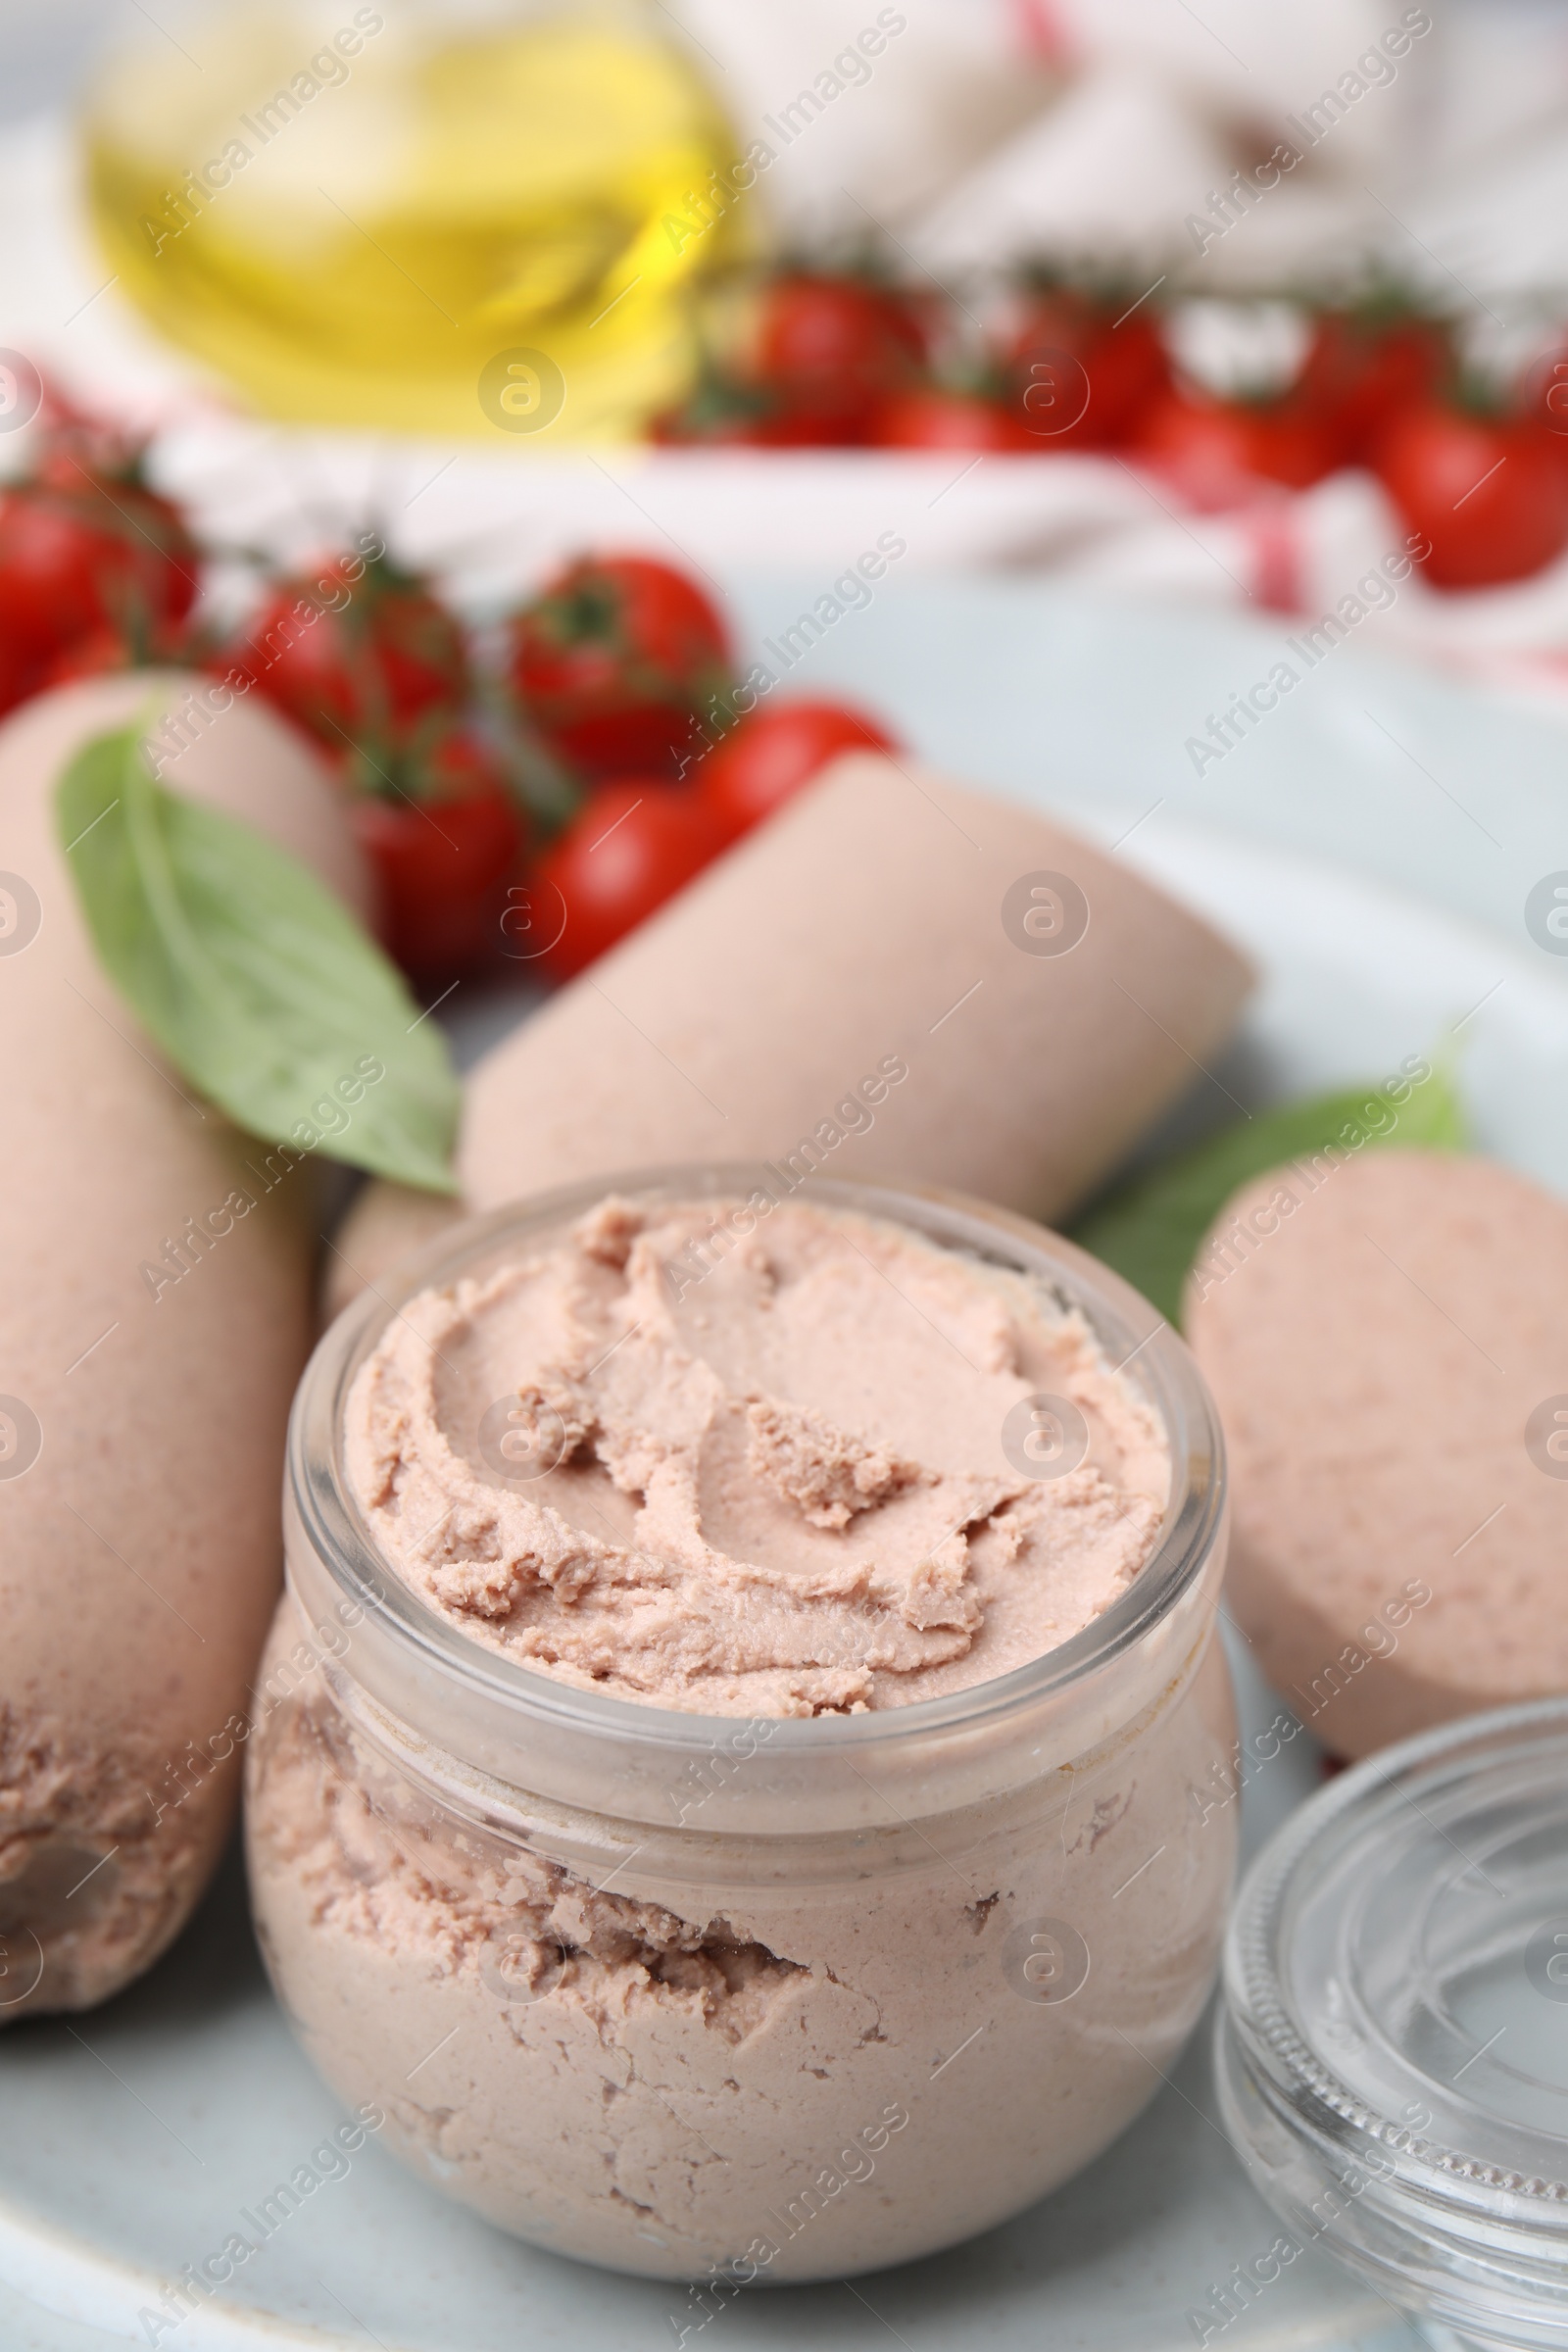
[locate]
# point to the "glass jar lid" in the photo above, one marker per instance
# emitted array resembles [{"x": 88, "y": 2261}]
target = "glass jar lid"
[{"x": 1393, "y": 2046}]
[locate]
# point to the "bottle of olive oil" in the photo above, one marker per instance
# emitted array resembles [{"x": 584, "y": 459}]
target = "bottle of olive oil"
[{"x": 445, "y": 219}]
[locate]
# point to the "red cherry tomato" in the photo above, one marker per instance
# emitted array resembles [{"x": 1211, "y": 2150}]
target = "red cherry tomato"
[
  {"x": 1491, "y": 493},
  {"x": 444, "y": 856},
  {"x": 56, "y": 571},
  {"x": 83, "y": 554},
  {"x": 631, "y": 845},
  {"x": 1362, "y": 371},
  {"x": 933, "y": 418},
  {"x": 104, "y": 650},
  {"x": 613, "y": 661},
  {"x": 1216, "y": 452},
  {"x": 772, "y": 753},
  {"x": 20, "y": 675},
  {"x": 830, "y": 347},
  {"x": 813, "y": 425},
  {"x": 356, "y": 652},
  {"x": 1120, "y": 353}
]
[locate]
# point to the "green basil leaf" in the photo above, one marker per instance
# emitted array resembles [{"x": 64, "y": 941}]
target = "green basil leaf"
[
  {"x": 255, "y": 982},
  {"x": 1151, "y": 1227}
]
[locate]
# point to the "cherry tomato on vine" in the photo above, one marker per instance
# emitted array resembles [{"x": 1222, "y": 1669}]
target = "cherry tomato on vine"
[
  {"x": 775, "y": 750},
  {"x": 632, "y": 845},
  {"x": 87, "y": 554},
  {"x": 1490, "y": 492},
  {"x": 1216, "y": 452},
  {"x": 933, "y": 417},
  {"x": 1083, "y": 372},
  {"x": 103, "y": 650},
  {"x": 614, "y": 660},
  {"x": 356, "y": 652},
  {"x": 444, "y": 847},
  {"x": 829, "y": 348},
  {"x": 1363, "y": 370}
]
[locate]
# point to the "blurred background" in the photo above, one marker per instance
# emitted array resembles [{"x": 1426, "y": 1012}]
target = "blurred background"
[
  {"x": 1220, "y": 305},
  {"x": 344, "y": 217}
]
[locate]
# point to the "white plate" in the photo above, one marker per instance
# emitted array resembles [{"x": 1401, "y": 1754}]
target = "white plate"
[{"x": 131, "y": 2140}]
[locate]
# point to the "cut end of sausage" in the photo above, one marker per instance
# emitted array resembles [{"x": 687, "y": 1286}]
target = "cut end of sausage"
[
  {"x": 1385, "y": 1341},
  {"x": 100, "y": 1865}
]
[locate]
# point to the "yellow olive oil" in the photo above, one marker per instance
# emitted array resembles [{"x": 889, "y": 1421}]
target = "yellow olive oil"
[{"x": 440, "y": 221}]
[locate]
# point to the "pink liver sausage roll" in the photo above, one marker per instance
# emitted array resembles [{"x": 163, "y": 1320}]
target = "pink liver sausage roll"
[
  {"x": 1386, "y": 1341},
  {"x": 893, "y": 977},
  {"x": 141, "y": 1419}
]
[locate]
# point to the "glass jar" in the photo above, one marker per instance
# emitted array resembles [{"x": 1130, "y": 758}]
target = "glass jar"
[
  {"x": 1394, "y": 2043},
  {"x": 473, "y": 216},
  {"x": 777, "y": 1999}
]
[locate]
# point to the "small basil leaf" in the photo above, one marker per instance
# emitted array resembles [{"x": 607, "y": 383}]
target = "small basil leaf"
[
  {"x": 255, "y": 981},
  {"x": 1149, "y": 1228}
]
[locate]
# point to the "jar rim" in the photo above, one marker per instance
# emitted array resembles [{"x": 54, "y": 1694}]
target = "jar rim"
[{"x": 1166, "y": 1376}]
